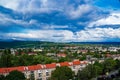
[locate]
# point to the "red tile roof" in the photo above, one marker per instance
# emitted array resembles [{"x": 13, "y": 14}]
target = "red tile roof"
[
  {"x": 76, "y": 62},
  {"x": 2, "y": 70},
  {"x": 65, "y": 64},
  {"x": 7, "y": 70},
  {"x": 20, "y": 68},
  {"x": 38, "y": 67},
  {"x": 34, "y": 67},
  {"x": 53, "y": 65}
]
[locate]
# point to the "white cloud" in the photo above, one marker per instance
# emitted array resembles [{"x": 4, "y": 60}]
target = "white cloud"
[
  {"x": 6, "y": 19},
  {"x": 97, "y": 34},
  {"x": 48, "y": 35},
  {"x": 112, "y": 19},
  {"x": 46, "y": 26},
  {"x": 13, "y": 4},
  {"x": 46, "y": 6},
  {"x": 30, "y": 6},
  {"x": 79, "y": 11}
]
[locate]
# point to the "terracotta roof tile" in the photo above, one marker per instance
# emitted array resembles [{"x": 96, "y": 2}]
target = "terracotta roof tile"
[
  {"x": 2, "y": 70},
  {"x": 53, "y": 65},
  {"x": 38, "y": 67},
  {"x": 7, "y": 70},
  {"x": 34, "y": 67},
  {"x": 65, "y": 64},
  {"x": 76, "y": 62}
]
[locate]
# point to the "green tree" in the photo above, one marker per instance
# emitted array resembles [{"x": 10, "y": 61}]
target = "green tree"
[
  {"x": 5, "y": 60},
  {"x": 83, "y": 75},
  {"x": 117, "y": 64},
  {"x": 2, "y": 77},
  {"x": 109, "y": 64},
  {"x": 19, "y": 52},
  {"x": 63, "y": 59},
  {"x": 15, "y": 75},
  {"x": 83, "y": 57},
  {"x": 39, "y": 59},
  {"x": 62, "y": 73},
  {"x": 89, "y": 72},
  {"x": 98, "y": 67}
]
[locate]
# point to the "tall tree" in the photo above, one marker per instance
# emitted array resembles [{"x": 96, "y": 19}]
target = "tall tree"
[
  {"x": 89, "y": 72},
  {"x": 62, "y": 73},
  {"x": 5, "y": 59},
  {"x": 15, "y": 75},
  {"x": 109, "y": 64},
  {"x": 2, "y": 77}
]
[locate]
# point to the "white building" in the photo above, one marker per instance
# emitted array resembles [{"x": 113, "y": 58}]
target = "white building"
[{"x": 43, "y": 72}]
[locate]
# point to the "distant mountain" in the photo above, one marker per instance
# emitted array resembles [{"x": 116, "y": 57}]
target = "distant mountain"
[
  {"x": 23, "y": 44},
  {"x": 38, "y": 44},
  {"x": 113, "y": 43}
]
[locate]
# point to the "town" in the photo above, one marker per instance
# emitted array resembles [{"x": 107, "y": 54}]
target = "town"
[
  {"x": 59, "y": 39},
  {"x": 39, "y": 63}
]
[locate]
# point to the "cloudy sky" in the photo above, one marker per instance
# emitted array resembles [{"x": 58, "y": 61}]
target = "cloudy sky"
[{"x": 60, "y": 20}]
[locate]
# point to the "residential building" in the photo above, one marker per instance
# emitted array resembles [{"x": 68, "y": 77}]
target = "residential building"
[{"x": 43, "y": 72}]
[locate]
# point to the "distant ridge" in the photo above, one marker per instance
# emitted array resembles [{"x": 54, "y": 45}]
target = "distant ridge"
[
  {"x": 95, "y": 43},
  {"x": 31, "y": 44}
]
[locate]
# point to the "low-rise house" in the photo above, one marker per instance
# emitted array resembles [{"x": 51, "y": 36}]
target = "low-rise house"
[
  {"x": 82, "y": 51},
  {"x": 37, "y": 50},
  {"x": 51, "y": 54},
  {"x": 113, "y": 49},
  {"x": 61, "y": 55},
  {"x": 116, "y": 56},
  {"x": 32, "y": 53},
  {"x": 13, "y": 51}
]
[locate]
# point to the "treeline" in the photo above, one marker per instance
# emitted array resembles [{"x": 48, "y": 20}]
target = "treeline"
[
  {"x": 22, "y": 44},
  {"x": 30, "y": 44},
  {"x": 9, "y": 60},
  {"x": 13, "y": 75},
  {"x": 99, "y": 69}
]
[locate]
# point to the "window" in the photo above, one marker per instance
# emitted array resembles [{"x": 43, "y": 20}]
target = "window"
[
  {"x": 40, "y": 74},
  {"x": 39, "y": 79},
  {"x": 47, "y": 78},
  {"x": 32, "y": 72},
  {"x": 39, "y": 71},
  {"x": 73, "y": 67},
  {"x": 47, "y": 73},
  {"x": 32, "y": 75},
  {"x": 81, "y": 65}
]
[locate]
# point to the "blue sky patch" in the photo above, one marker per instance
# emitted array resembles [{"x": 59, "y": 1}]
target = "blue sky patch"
[{"x": 66, "y": 21}]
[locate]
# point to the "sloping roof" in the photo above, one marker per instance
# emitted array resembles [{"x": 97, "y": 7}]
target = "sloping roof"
[
  {"x": 34, "y": 67},
  {"x": 76, "y": 62},
  {"x": 65, "y": 64},
  {"x": 20, "y": 68},
  {"x": 7, "y": 70},
  {"x": 53, "y": 65},
  {"x": 39, "y": 66},
  {"x": 2, "y": 70}
]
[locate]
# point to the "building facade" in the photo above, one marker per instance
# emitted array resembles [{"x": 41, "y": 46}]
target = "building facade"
[{"x": 43, "y": 72}]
